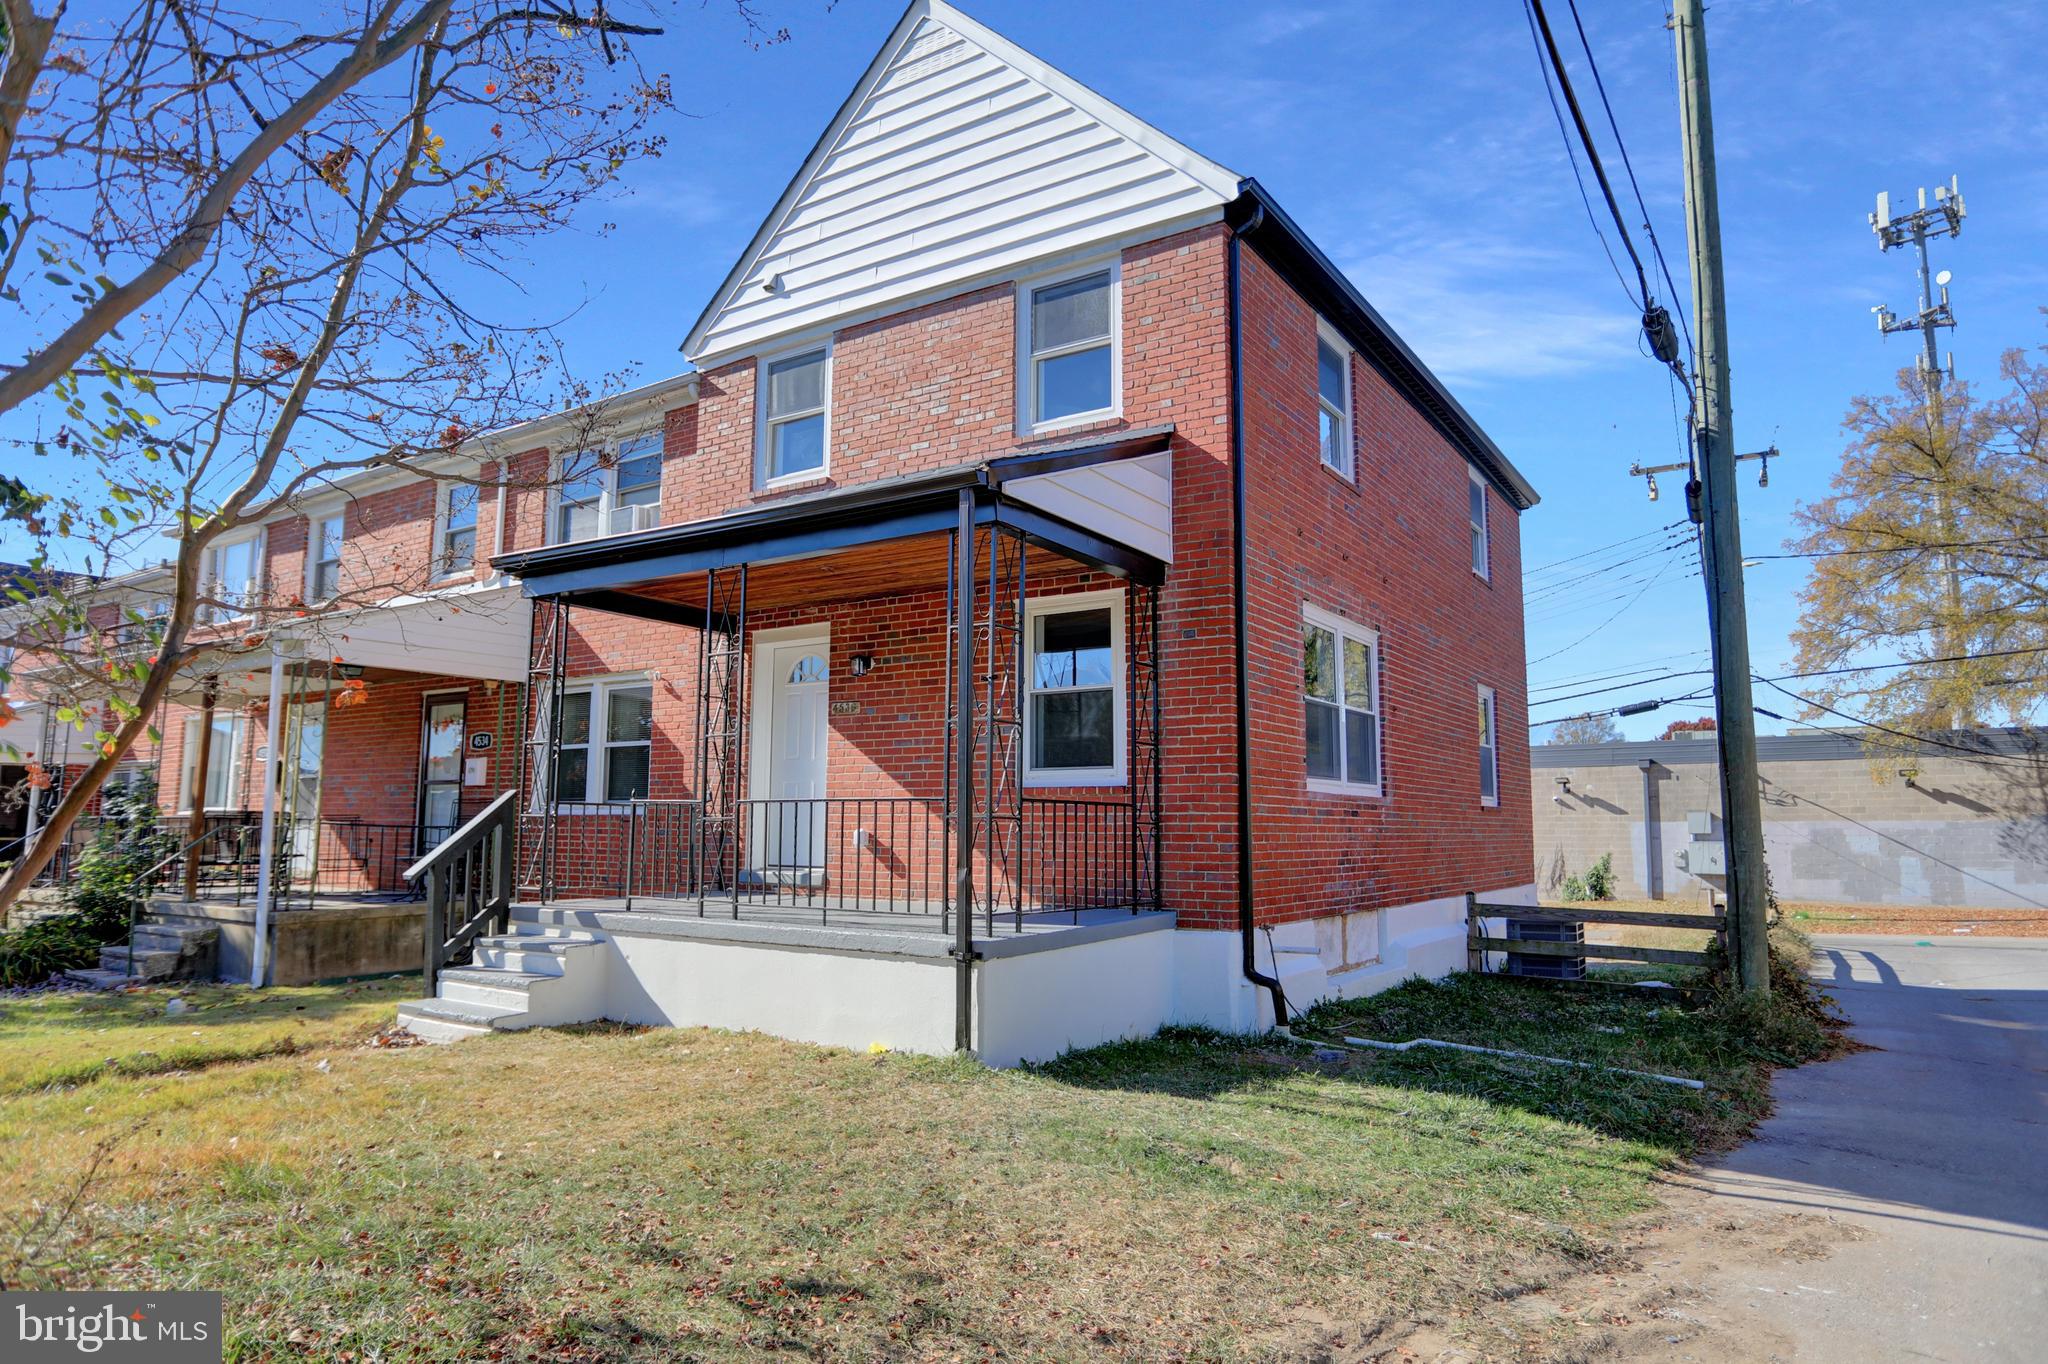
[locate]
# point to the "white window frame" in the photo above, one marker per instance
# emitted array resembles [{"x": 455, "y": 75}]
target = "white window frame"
[
  {"x": 1481, "y": 530},
  {"x": 599, "y": 689},
  {"x": 189, "y": 775},
  {"x": 438, "y": 566},
  {"x": 1489, "y": 744},
  {"x": 1347, "y": 430},
  {"x": 763, "y": 431},
  {"x": 1028, "y": 423},
  {"x": 1318, "y": 618},
  {"x": 610, "y": 456},
  {"x": 210, "y": 585},
  {"x": 314, "y": 539},
  {"x": 1036, "y": 609}
]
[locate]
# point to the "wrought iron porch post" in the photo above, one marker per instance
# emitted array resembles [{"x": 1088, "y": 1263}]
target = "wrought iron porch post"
[
  {"x": 721, "y": 732},
  {"x": 1142, "y": 612},
  {"x": 963, "y": 774}
]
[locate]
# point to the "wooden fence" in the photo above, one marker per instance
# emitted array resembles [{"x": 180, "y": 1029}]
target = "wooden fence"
[{"x": 1478, "y": 942}]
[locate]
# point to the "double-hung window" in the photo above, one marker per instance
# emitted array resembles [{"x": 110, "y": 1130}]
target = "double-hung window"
[
  {"x": 795, "y": 391},
  {"x": 607, "y": 741},
  {"x": 1074, "y": 716},
  {"x": 455, "y": 548},
  {"x": 323, "y": 557},
  {"x": 1067, "y": 350},
  {"x": 223, "y": 764},
  {"x": 1333, "y": 402},
  {"x": 609, "y": 492},
  {"x": 1475, "y": 498},
  {"x": 1489, "y": 749},
  {"x": 230, "y": 580},
  {"x": 1340, "y": 684}
]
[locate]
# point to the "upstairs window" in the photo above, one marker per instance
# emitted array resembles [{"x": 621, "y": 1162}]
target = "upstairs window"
[
  {"x": 1068, "y": 362},
  {"x": 1075, "y": 714},
  {"x": 1476, "y": 501},
  {"x": 323, "y": 557},
  {"x": 455, "y": 548},
  {"x": 1489, "y": 750},
  {"x": 1341, "y": 704},
  {"x": 1333, "y": 402},
  {"x": 795, "y": 392},
  {"x": 579, "y": 505},
  {"x": 230, "y": 581}
]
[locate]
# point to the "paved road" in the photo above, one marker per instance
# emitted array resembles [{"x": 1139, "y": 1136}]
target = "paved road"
[{"x": 1935, "y": 1147}]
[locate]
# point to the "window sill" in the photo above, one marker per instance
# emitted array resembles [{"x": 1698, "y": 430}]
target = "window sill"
[
  {"x": 1054, "y": 781},
  {"x": 1350, "y": 481},
  {"x": 1066, "y": 426},
  {"x": 1321, "y": 786},
  {"x": 792, "y": 483},
  {"x": 1486, "y": 804}
]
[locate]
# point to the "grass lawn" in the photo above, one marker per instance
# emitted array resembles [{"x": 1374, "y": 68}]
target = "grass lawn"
[{"x": 610, "y": 1194}]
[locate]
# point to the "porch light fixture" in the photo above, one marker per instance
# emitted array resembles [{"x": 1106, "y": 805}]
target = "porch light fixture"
[
  {"x": 349, "y": 670},
  {"x": 861, "y": 664}
]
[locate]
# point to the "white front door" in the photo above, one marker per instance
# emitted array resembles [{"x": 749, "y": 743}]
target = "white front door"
[{"x": 793, "y": 777}]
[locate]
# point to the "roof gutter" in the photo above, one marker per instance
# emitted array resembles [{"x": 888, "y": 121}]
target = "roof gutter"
[{"x": 1247, "y": 923}]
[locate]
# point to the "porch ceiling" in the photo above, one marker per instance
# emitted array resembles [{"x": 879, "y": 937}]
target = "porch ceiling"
[{"x": 880, "y": 538}]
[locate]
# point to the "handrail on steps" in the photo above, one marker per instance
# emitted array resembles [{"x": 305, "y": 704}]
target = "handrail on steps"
[{"x": 468, "y": 882}]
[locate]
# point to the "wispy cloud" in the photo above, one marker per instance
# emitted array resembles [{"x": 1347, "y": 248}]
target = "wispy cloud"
[
  {"x": 1481, "y": 310},
  {"x": 1278, "y": 23},
  {"x": 684, "y": 203}
]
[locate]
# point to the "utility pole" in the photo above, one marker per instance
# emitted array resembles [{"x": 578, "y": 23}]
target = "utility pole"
[
  {"x": 1721, "y": 535},
  {"x": 1914, "y": 229}
]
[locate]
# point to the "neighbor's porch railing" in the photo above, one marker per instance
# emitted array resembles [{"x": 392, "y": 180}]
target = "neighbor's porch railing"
[
  {"x": 468, "y": 882},
  {"x": 846, "y": 856}
]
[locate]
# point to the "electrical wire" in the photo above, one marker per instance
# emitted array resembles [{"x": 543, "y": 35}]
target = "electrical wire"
[
  {"x": 1528, "y": 573},
  {"x": 1803, "y": 676},
  {"x": 1610, "y": 620},
  {"x": 1572, "y": 156},
  {"x": 1895, "y": 549},
  {"x": 1621, "y": 146},
  {"x": 1931, "y": 741}
]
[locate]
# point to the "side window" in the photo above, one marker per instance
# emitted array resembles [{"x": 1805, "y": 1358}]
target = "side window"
[
  {"x": 1476, "y": 499},
  {"x": 795, "y": 391},
  {"x": 1340, "y": 703},
  {"x": 1333, "y": 402},
  {"x": 1489, "y": 749},
  {"x": 323, "y": 558},
  {"x": 456, "y": 551},
  {"x": 1067, "y": 343}
]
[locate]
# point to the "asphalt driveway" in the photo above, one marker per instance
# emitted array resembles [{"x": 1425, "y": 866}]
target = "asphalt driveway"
[{"x": 1928, "y": 1158}]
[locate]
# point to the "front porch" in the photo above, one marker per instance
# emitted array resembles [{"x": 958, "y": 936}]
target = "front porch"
[{"x": 916, "y": 765}]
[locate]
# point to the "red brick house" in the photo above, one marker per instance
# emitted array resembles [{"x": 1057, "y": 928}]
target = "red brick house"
[{"x": 1055, "y": 605}]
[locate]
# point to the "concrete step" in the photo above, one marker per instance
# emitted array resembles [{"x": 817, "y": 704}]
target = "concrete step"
[
  {"x": 99, "y": 978},
  {"x": 447, "y": 1020},
  {"x": 541, "y": 962},
  {"x": 173, "y": 937},
  {"x": 498, "y": 989},
  {"x": 147, "y": 963}
]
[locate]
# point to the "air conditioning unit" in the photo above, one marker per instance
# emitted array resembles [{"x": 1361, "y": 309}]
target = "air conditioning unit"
[
  {"x": 640, "y": 516},
  {"x": 1546, "y": 930}
]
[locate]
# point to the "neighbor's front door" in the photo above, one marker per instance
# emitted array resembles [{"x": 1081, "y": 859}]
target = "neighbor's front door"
[
  {"x": 798, "y": 705},
  {"x": 440, "y": 770}
]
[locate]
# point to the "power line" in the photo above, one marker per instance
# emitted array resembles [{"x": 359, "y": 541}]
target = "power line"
[
  {"x": 1621, "y": 146},
  {"x": 1800, "y": 677},
  {"x": 1634, "y": 559},
  {"x": 1931, "y": 741},
  {"x": 1527, "y": 573},
  {"x": 1896, "y": 549},
  {"x": 1611, "y": 619},
  {"x": 1572, "y": 156}
]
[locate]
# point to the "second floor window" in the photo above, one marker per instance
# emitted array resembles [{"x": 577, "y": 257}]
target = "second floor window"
[
  {"x": 323, "y": 556},
  {"x": 795, "y": 393},
  {"x": 1333, "y": 403},
  {"x": 1069, "y": 350},
  {"x": 230, "y": 580},
  {"x": 456, "y": 550},
  {"x": 603, "y": 495},
  {"x": 1475, "y": 496}
]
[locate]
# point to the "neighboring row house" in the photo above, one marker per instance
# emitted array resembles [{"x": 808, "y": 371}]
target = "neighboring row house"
[{"x": 1041, "y": 494}]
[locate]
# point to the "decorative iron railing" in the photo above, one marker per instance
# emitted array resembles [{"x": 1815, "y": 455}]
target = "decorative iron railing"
[{"x": 468, "y": 882}]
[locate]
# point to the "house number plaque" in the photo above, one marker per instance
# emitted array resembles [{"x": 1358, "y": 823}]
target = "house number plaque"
[{"x": 846, "y": 707}]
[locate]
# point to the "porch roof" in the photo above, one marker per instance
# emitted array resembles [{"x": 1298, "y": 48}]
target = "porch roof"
[{"x": 891, "y": 532}]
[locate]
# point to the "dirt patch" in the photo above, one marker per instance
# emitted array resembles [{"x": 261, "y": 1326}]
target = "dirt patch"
[{"x": 1919, "y": 921}]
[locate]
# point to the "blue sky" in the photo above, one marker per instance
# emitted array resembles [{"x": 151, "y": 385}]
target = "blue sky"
[{"x": 1414, "y": 142}]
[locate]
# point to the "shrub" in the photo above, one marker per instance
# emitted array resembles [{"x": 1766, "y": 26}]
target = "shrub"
[
  {"x": 1596, "y": 884},
  {"x": 33, "y": 953},
  {"x": 106, "y": 883}
]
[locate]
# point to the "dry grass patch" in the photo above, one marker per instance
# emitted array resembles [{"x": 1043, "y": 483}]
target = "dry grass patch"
[{"x": 604, "y": 1194}]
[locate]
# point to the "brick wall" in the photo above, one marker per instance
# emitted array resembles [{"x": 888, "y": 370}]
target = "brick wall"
[{"x": 1388, "y": 550}]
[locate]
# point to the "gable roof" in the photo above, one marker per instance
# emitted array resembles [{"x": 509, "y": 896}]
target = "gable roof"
[{"x": 957, "y": 158}]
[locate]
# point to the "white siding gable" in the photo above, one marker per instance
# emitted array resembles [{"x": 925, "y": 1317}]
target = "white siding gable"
[{"x": 958, "y": 160}]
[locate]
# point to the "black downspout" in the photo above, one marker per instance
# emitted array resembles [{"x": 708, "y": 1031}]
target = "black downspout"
[{"x": 1246, "y": 922}]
